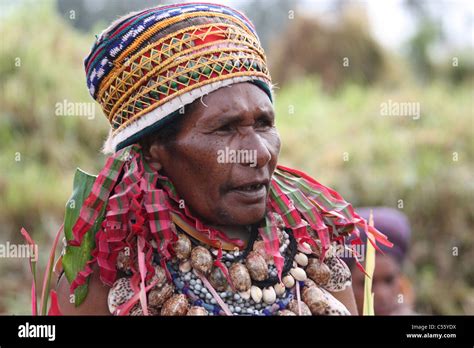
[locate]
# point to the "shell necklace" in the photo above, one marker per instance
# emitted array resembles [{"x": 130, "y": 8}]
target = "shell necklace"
[{"x": 252, "y": 276}]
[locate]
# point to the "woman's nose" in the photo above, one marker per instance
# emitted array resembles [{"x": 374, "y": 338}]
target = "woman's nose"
[{"x": 257, "y": 149}]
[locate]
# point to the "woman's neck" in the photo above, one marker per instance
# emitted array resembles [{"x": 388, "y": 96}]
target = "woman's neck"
[{"x": 235, "y": 232}]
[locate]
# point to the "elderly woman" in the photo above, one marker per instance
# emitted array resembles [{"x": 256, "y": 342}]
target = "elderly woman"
[{"x": 191, "y": 214}]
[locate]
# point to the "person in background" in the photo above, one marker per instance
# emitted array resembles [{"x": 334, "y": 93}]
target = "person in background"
[{"x": 393, "y": 294}]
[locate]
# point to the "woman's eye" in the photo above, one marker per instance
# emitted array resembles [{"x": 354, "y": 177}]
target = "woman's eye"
[
  {"x": 260, "y": 124},
  {"x": 224, "y": 128},
  {"x": 263, "y": 123},
  {"x": 389, "y": 279}
]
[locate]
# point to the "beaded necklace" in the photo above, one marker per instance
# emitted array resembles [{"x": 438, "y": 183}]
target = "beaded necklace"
[
  {"x": 188, "y": 282},
  {"x": 199, "y": 288}
]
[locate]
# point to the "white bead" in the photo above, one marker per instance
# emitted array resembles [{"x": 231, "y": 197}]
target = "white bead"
[
  {"x": 279, "y": 289},
  {"x": 289, "y": 281},
  {"x": 298, "y": 273},
  {"x": 256, "y": 293},
  {"x": 269, "y": 295},
  {"x": 301, "y": 259},
  {"x": 307, "y": 246}
]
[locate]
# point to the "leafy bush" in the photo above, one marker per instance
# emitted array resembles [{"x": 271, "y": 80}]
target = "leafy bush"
[{"x": 423, "y": 165}]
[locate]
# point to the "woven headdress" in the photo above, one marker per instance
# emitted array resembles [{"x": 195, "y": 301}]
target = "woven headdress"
[{"x": 145, "y": 67}]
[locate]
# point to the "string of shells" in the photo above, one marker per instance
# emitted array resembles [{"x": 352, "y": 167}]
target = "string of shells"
[{"x": 317, "y": 279}]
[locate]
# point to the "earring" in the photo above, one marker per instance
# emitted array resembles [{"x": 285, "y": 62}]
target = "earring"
[
  {"x": 153, "y": 164},
  {"x": 156, "y": 166}
]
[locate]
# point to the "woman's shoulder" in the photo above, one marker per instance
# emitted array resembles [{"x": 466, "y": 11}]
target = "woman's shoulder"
[{"x": 95, "y": 302}]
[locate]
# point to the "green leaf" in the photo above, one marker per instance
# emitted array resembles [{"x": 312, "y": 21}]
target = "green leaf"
[
  {"x": 76, "y": 258},
  {"x": 368, "y": 307}
]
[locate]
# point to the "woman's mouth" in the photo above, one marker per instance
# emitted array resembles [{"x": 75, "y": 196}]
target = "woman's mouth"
[
  {"x": 250, "y": 193},
  {"x": 249, "y": 188}
]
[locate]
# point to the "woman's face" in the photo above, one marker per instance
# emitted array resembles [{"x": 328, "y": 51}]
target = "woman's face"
[
  {"x": 385, "y": 285},
  {"x": 223, "y": 158}
]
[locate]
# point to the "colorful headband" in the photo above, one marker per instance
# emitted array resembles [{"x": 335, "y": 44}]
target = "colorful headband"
[{"x": 142, "y": 82}]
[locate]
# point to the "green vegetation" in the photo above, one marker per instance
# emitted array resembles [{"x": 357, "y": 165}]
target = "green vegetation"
[{"x": 393, "y": 158}]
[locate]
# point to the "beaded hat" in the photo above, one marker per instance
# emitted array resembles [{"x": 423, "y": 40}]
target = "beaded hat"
[{"x": 146, "y": 66}]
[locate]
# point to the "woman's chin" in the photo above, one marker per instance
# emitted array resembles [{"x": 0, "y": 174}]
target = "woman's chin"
[
  {"x": 245, "y": 216},
  {"x": 252, "y": 216}
]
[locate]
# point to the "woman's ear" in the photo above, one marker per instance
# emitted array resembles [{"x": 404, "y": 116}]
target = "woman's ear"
[{"x": 152, "y": 156}]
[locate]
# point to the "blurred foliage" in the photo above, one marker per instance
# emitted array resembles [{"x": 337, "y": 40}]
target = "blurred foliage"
[
  {"x": 39, "y": 149},
  {"x": 428, "y": 32},
  {"x": 269, "y": 24},
  {"x": 337, "y": 53},
  {"x": 393, "y": 158},
  {"x": 87, "y": 15},
  {"x": 429, "y": 35},
  {"x": 390, "y": 158}
]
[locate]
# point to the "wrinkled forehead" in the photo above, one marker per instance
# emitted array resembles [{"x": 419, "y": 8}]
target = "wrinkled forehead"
[{"x": 243, "y": 98}]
